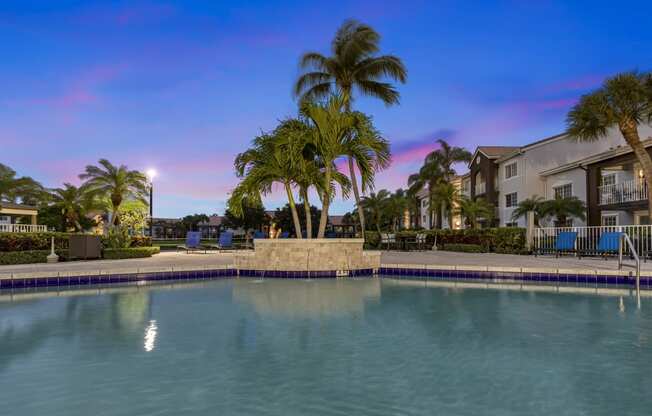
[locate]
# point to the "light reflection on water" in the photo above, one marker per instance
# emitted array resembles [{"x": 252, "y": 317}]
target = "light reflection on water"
[{"x": 324, "y": 347}]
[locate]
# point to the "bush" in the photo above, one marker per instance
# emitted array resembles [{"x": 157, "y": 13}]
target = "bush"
[
  {"x": 465, "y": 248},
  {"x": 141, "y": 241},
  {"x": 32, "y": 241},
  {"x": 29, "y": 256},
  {"x": 130, "y": 253}
]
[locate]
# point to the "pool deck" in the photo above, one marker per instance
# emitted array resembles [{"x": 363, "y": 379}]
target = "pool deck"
[{"x": 180, "y": 261}]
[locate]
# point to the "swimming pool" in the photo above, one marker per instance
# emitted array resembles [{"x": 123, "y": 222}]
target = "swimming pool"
[{"x": 323, "y": 347}]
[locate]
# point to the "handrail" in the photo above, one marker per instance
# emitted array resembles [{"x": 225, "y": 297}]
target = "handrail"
[{"x": 637, "y": 266}]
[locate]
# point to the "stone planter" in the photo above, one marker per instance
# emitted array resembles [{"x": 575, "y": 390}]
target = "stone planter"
[{"x": 303, "y": 255}]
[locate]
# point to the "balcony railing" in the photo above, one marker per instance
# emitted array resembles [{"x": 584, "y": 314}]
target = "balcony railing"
[
  {"x": 630, "y": 191},
  {"x": 588, "y": 238},
  {"x": 22, "y": 228}
]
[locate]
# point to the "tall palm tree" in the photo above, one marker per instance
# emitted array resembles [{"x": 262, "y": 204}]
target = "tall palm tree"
[
  {"x": 376, "y": 204},
  {"x": 475, "y": 209},
  {"x": 19, "y": 189},
  {"x": 446, "y": 156},
  {"x": 397, "y": 207},
  {"x": 624, "y": 101},
  {"x": 331, "y": 140},
  {"x": 354, "y": 64},
  {"x": 118, "y": 183},
  {"x": 447, "y": 197},
  {"x": 429, "y": 175},
  {"x": 266, "y": 162},
  {"x": 563, "y": 209}
]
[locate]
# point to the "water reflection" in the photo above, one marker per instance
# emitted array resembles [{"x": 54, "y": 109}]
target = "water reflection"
[
  {"x": 150, "y": 335},
  {"x": 293, "y": 298}
]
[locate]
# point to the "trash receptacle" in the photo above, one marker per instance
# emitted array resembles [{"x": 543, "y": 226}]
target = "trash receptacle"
[{"x": 85, "y": 246}]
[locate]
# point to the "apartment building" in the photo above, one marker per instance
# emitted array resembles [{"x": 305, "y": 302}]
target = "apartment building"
[{"x": 430, "y": 220}]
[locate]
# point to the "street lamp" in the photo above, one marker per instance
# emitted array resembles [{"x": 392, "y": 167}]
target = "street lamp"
[{"x": 151, "y": 174}]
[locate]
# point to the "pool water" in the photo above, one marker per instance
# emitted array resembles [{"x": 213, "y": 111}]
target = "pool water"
[{"x": 324, "y": 347}]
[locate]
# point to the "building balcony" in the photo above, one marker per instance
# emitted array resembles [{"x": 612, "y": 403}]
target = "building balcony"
[
  {"x": 22, "y": 228},
  {"x": 619, "y": 193},
  {"x": 480, "y": 188}
]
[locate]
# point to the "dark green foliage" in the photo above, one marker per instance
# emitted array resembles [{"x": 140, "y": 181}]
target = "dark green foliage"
[
  {"x": 129, "y": 253},
  {"x": 254, "y": 217},
  {"x": 190, "y": 222},
  {"x": 283, "y": 219},
  {"x": 141, "y": 241},
  {"x": 465, "y": 248},
  {"x": 29, "y": 256},
  {"x": 32, "y": 241}
]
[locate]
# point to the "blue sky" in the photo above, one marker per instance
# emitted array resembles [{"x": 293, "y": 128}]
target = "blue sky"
[{"x": 184, "y": 86}]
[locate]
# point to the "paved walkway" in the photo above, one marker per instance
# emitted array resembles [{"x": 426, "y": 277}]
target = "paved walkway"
[{"x": 181, "y": 260}]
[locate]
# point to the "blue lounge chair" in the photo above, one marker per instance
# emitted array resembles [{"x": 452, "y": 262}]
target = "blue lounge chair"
[
  {"x": 609, "y": 243},
  {"x": 284, "y": 234},
  {"x": 565, "y": 243},
  {"x": 225, "y": 242},
  {"x": 193, "y": 242},
  {"x": 259, "y": 234}
]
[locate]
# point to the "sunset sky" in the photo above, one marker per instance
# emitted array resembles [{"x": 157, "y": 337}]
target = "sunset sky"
[{"x": 184, "y": 86}]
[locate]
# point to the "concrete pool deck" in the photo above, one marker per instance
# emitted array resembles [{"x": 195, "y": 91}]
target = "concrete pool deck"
[{"x": 179, "y": 261}]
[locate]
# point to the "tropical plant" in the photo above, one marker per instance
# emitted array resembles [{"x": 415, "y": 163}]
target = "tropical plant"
[
  {"x": 354, "y": 64},
  {"x": 19, "y": 189},
  {"x": 133, "y": 216},
  {"x": 623, "y": 101},
  {"x": 117, "y": 183},
  {"x": 331, "y": 140},
  {"x": 72, "y": 204},
  {"x": 428, "y": 177},
  {"x": 563, "y": 209},
  {"x": 446, "y": 196},
  {"x": 534, "y": 204},
  {"x": 474, "y": 210},
  {"x": 446, "y": 156},
  {"x": 251, "y": 217},
  {"x": 376, "y": 204},
  {"x": 117, "y": 237}
]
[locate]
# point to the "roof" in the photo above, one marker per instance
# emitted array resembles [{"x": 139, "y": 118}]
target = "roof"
[
  {"x": 494, "y": 152},
  {"x": 213, "y": 220},
  {"x": 608, "y": 154},
  {"x": 336, "y": 219},
  {"x": 11, "y": 205}
]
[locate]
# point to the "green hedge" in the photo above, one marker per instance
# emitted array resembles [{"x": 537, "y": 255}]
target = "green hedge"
[
  {"x": 32, "y": 241},
  {"x": 29, "y": 256},
  {"x": 508, "y": 240},
  {"x": 141, "y": 241},
  {"x": 130, "y": 253},
  {"x": 464, "y": 248}
]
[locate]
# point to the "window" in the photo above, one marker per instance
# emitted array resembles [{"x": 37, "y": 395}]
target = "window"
[
  {"x": 511, "y": 224},
  {"x": 424, "y": 203},
  {"x": 511, "y": 170},
  {"x": 5, "y": 219},
  {"x": 610, "y": 220},
  {"x": 563, "y": 191},
  {"x": 511, "y": 200},
  {"x": 609, "y": 179}
]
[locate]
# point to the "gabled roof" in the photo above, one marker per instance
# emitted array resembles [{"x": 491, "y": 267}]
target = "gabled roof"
[
  {"x": 11, "y": 205},
  {"x": 493, "y": 152}
]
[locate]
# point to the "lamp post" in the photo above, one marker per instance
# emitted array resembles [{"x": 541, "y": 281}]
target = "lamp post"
[{"x": 151, "y": 174}]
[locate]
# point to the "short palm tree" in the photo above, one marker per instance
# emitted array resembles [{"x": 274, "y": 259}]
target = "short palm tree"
[
  {"x": 429, "y": 176},
  {"x": 354, "y": 64},
  {"x": 563, "y": 209},
  {"x": 623, "y": 101},
  {"x": 117, "y": 183},
  {"x": 376, "y": 205},
  {"x": 475, "y": 209},
  {"x": 534, "y": 204},
  {"x": 72, "y": 203}
]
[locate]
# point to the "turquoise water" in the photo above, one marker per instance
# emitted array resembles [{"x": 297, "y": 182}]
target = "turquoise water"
[{"x": 366, "y": 347}]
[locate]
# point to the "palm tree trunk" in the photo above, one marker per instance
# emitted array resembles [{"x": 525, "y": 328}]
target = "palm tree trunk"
[
  {"x": 326, "y": 200},
  {"x": 306, "y": 208},
  {"x": 293, "y": 208},
  {"x": 356, "y": 193},
  {"x": 630, "y": 133}
]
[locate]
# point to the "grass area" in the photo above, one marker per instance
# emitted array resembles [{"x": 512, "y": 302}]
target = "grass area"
[{"x": 172, "y": 244}]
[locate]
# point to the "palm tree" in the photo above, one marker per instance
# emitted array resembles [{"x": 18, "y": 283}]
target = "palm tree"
[
  {"x": 19, "y": 189},
  {"x": 562, "y": 209},
  {"x": 475, "y": 209},
  {"x": 118, "y": 183},
  {"x": 446, "y": 156},
  {"x": 72, "y": 203},
  {"x": 265, "y": 163},
  {"x": 354, "y": 64},
  {"x": 534, "y": 204},
  {"x": 331, "y": 140},
  {"x": 430, "y": 174},
  {"x": 447, "y": 198},
  {"x": 376, "y": 204},
  {"x": 625, "y": 101}
]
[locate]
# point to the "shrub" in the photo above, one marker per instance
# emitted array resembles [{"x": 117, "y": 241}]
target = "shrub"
[
  {"x": 117, "y": 237},
  {"x": 29, "y": 256},
  {"x": 32, "y": 241},
  {"x": 465, "y": 248},
  {"x": 130, "y": 252},
  {"x": 141, "y": 241}
]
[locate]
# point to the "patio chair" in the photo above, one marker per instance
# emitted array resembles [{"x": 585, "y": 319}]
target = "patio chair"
[
  {"x": 193, "y": 242},
  {"x": 225, "y": 242},
  {"x": 284, "y": 234},
  {"x": 259, "y": 234},
  {"x": 419, "y": 242},
  {"x": 330, "y": 234},
  {"x": 609, "y": 243},
  {"x": 389, "y": 240},
  {"x": 564, "y": 243}
]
